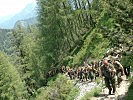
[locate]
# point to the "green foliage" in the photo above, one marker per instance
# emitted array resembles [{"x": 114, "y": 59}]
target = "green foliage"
[
  {"x": 94, "y": 46},
  {"x": 98, "y": 80},
  {"x": 120, "y": 13},
  {"x": 93, "y": 93},
  {"x": 130, "y": 91},
  {"x": 69, "y": 32},
  {"x": 59, "y": 89},
  {"x": 106, "y": 28},
  {"x": 24, "y": 56},
  {"x": 72, "y": 94},
  {"x": 62, "y": 24},
  {"x": 11, "y": 85},
  {"x": 127, "y": 60}
]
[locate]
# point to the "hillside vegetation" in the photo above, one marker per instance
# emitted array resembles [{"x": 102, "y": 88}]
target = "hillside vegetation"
[{"x": 68, "y": 32}]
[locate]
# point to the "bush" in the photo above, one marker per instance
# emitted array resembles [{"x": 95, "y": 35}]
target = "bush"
[
  {"x": 127, "y": 60},
  {"x": 130, "y": 90},
  {"x": 60, "y": 89},
  {"x": 94, "y": 93},
  {"x": 73, "y": 93},
  {"x": 98, "y": 80}
]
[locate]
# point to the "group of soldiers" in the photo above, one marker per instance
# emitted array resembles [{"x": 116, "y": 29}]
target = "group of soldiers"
[
  {"x": 109, "y": 68},
  {"x": 83, "y": 73}
]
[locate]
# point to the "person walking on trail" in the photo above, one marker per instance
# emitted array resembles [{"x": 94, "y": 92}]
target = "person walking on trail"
[
  {"x": 127, "y": 71},
  {"x": 81, "y": 74},
  {"x": 63, "y": 69},
  {"x": 108, "y": 71},
  {"x": 86, "y": 73},
  {"x": 119, "y": 71},
  {"x": 95, "y": 69},
  {"x": 92, "y": 73},
  {"x": 70, "y": 72}
]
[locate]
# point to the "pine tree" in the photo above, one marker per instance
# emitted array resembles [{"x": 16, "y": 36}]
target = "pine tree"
[
  {"x": 11, "y": 85},
  {"x": 22, "y": 43}
]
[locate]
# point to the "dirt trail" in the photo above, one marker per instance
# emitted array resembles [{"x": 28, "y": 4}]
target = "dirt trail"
[
  {"x": 119, "y": 94},
  {"x": 84, "y": 88}
]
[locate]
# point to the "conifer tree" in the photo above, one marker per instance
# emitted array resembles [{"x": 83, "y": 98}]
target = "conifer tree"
[{"x": 11, "y": 85}]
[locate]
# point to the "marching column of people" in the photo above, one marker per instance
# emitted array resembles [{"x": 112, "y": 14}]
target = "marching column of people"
[
  {"x": 108, "y": 68},
  {"x": 83, "y": 73}
]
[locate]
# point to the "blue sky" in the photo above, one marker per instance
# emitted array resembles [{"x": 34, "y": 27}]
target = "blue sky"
[{"x": 11, "y": 7}]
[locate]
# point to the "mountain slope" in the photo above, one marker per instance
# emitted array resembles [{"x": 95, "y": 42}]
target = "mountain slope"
[
  {"x": 25, "y": 23},
  {"x": 28, "y": 12},
  {"x": 5, "y": 41}
]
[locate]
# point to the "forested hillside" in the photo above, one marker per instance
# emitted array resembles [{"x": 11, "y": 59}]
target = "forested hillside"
[
  {"x": 5, "y": 41},
  {"x": 67, "y": 33}
]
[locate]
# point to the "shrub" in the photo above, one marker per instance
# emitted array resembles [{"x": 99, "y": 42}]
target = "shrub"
[
  {"x": 130, "y": 90},
  {"x": 60, "y": 89},
  {"x": 93, "y": 93},
  {"x": 73, "y": 93}
]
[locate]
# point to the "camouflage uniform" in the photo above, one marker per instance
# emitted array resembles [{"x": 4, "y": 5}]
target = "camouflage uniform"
[
  {"x": 81, "y": 74},
  {"x": 109, "y": 76},
  {"x": 90, "y": 73},
  {"x": 119, "y": 71},
  {"x": 95, "y": 69},
  {"x": 63, "y": 69},
  {"x": 86, "y": 73},
  {"x": 70, "y": 73}
]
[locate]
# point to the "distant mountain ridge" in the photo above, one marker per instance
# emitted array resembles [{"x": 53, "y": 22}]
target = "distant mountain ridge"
[
  {"x": 28, "y": 12},
  {"x": 25, "y": 23}
]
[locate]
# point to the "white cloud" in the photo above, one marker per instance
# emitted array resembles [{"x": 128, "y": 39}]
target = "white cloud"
[{"x": 10, "y": 7}]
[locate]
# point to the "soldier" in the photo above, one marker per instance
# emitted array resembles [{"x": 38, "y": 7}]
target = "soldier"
[
  {"x": 91, "y": 72},
  {"x": 75, "y": 72},
  {"x": 100, "y": 63},
  {"x": 96, "y": 73},
  {"x": 67, "y": 68},
  {"x": 78, "y": 72},
  {"x": 95, "y": 69},
  {"x": 81, "y": 74},
  {"x": 86, "y": 73},
  {"x": 70, "y": 73},
  {"x": 127, "y": 71},
  {"x": 119, "y": 71},
  {"x": 108, "y": 71},
  {"x": 63, "y": 69}
]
